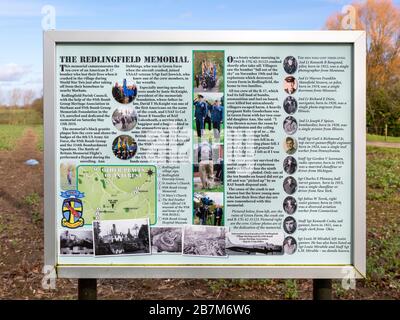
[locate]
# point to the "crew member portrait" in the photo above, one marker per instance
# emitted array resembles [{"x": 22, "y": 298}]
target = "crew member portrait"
[
  {"x": 289, "y": 245},
  {"x": 289, "y": 225},
  {"x": 290, "y": 64},
  {"x": 290, "y": 185},
  {"x": 290, "y": 85},
  {"x": 290, "y": 125},
  {"x": 290, "y": 145},
  {"x": 290, "y": 205},
  {"x": 290, "y": 105},
  {"x": 290, "y": 165}
]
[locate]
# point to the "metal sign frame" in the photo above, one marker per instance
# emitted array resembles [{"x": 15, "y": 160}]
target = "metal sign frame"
[{"x": 358, "y": 41}]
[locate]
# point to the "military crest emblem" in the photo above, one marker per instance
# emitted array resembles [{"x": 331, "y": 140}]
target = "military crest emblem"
[{"x": 72, "y": 211}]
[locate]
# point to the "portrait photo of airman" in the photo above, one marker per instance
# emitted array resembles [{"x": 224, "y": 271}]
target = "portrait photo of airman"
[
  {"x": 290, "y": 125},
  {"x": 289, "y": 245},
  {"x": 289, "y": 225},
  {"x": 290, "y": 64},
  {"x": 290, "y": 145},
  {"x": 290, "y": 105},
  {"x": 290, "y": 205},
  {"x": 290, "y": 185},
  {"x": 290, "y": 84},
  {"x": 290, "y": 165}
]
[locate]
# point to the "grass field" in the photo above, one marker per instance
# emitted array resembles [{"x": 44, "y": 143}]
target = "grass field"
[
  {"x": 39, "y": 131},
  {"x": 9, "y": 135},
  {"x": 383, "y": 219},
  {"x": 19, "y": 116},
  {"x": 375, "y": 137},
  {"x": 383, "y": 173}
]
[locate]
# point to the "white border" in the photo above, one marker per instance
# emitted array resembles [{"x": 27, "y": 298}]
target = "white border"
[{"x": 357, "y": 38}]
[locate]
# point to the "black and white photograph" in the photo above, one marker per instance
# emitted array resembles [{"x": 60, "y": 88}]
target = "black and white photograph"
[
  {"x": 290, "y": 125},
  {"x": 289, "y": 245},
  {"x": 290, "y": 105},
  {"x": 207, "y": 241},
  {"x": 121, "y": 237},
  {"x": 290, "y": 85},
  {"x": 236, "y": 247},
  {"x": 289, "y": 225},
  {"x": 290, "y": 205},
  {"x": 290, "y": 64},
  {"x": 290, "y": 165},
  {"x": 166, "y": 240},
  {"x": 76, "y": 243},
  {"x": 290, "y": 145},
  {"x": 124, "y": 118},
  {"x": 290, "y": 185}
]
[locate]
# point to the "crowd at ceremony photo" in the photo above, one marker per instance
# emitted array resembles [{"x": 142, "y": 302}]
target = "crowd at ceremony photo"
[
  {"x": 208, "y": 209},
  {"x": 124, "y": 93},
  {"x": 207, "y": 79},
  {"x": 124, "y": 147},
  {"x": 209, "y": 115},
  {"x": 124, "y": 118}
]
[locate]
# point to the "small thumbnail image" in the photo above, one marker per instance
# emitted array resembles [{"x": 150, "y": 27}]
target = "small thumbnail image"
[
  {"x": 124, "y": 92},
  {"x": 121, "y": 237},
  {"x": 124, "y": 147},
  {"x": 204, "y": 241},
  {"x": 124, "y": 118},
  {"x": 76, "y": 242},
  {"x": 166, "y": 240}
]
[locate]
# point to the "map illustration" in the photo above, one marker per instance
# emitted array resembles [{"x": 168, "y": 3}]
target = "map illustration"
[{"x": 118, "y": 192}]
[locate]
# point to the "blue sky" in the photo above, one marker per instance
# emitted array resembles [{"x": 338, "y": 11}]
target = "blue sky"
[{"x": 21, "y": 28}]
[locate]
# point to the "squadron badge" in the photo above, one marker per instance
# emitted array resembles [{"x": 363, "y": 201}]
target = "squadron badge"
[{"x": 72, "y": 209}]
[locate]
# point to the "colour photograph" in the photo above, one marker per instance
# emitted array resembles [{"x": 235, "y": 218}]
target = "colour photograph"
[
  {"x": 212, "y": 151},
  {"x": 208, "y": 71},
  {"x": 208, "y": 208},
  {"x": 125, "y": 91}
]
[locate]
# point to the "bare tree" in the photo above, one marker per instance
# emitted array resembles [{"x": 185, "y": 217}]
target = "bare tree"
[
  {"x": 28, "y": 97},
  {"x": 2, "y": 103},
  {"x": 15, "y": 97},
  {"x": 381, "y": 21}
]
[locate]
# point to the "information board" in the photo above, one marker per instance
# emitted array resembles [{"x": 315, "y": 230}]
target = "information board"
[{"x": 205, "y": 154}]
